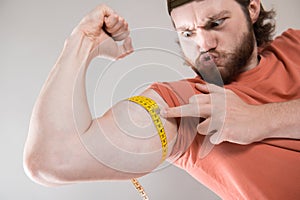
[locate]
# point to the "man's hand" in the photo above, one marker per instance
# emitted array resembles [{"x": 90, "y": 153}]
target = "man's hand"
[
  {"x": 104, "y": 28},
  {"x": 225, "y": 116}
]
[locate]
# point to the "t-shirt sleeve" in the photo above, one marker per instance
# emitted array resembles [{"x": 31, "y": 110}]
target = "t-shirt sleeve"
[
  {"x": 177, "y": 94},
  {"x": 168, "y": 95},
  {"x": 287, "y": 47}
]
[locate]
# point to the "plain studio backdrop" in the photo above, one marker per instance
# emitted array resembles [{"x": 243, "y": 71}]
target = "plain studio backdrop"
[{"x": 31, "y": 38}]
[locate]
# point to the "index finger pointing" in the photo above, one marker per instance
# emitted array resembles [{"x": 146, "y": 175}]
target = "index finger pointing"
[{"x": 188, "y": 110}]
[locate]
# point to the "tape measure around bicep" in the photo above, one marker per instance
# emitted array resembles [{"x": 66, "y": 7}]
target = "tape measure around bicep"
[{"x": 153, "y": 110}]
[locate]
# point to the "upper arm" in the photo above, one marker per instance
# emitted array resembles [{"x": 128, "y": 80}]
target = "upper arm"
[
  {"x": 121, "y": 144},
  {"x": 124, "y": 142}
]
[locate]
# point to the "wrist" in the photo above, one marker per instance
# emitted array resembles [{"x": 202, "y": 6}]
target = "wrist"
[
  {"x": 271, "y": 123},
  {"x": 78, "y": 47},
  {"x": 263, "y": 122}
]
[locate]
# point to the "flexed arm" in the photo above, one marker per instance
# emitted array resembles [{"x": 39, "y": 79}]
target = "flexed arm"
[{"x": 64, "y": 144}]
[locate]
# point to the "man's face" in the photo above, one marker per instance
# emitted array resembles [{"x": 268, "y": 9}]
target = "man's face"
[{"x": 220, "y": 28}]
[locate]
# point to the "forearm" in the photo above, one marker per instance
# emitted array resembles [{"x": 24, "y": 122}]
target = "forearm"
[
  {"x": 282, "y": 119},
  {"x": 52, "y": 127},
  {"x": 64, "y": 89}
]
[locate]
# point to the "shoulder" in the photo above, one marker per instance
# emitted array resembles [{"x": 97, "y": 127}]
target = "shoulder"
[
  {"x": 291, "y": 32},
  {"x": 285, "y": 46},
  {"x": 288, "y": 37}
]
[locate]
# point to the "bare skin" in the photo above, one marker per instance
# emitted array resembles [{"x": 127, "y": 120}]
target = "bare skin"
[
  {"x": 66, "y": 145},
  {"x": 192, "y": 21},
  {"x": 59, "y": 148}
]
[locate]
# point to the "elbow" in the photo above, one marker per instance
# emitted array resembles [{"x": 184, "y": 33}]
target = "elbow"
[
  {"x": 43, "y": 159},
  {"x": 42, "y": 172},
  {"x": 36, "y": 172}
]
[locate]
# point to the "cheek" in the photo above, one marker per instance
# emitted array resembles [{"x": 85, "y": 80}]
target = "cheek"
[
  {"x": 230, "y": 35},
  {"x": 233, "y": 35},
  {"x": 189, "y": 49},
  {"x": 227, "y": 42}
]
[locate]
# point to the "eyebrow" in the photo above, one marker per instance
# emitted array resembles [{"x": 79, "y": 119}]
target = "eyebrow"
[
  {"x": 220, "y": 14},
  {"x": 209, "y": 20},
  {"x": 183, "y": 28}
]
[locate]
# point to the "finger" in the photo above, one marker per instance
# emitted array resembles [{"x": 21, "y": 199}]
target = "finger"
[
  {"x": 121, "y": 36},
  {"x": 208, "y": 88},
  {"x": 120, "y": 31},
  {"x": 107, "y": 11},
  {"x": 118, "y": 27},
  {"x": 94, "y": 20},
  {"x": 110, "y": 21},
  {"x": 202, "y": 87},
  {"x": 216, "y": 138},
  {"x": 105, "y": 14},
  {"x": 199, "y": 99},
  {"x": 188, "y": 110},
  {"x": 202, "y": 127}
]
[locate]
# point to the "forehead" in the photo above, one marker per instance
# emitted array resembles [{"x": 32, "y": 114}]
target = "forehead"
[{"x": 198, "y": 12}]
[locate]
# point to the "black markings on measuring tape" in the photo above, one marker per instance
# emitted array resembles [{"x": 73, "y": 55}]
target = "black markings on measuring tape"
[{"x": 153, "y": 110}]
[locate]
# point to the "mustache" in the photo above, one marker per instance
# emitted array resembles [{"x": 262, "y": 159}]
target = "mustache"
[
  {"x": 216, "y": 54},
  {"x": 218, "y": 57},
  {"x": 206, "y": 68}
]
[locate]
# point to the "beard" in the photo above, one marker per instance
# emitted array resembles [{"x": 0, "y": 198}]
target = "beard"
[{"x": 229, "y": 64}]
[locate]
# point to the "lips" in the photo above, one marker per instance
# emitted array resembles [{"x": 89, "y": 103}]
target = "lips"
[
  {"x": 208, "y": 70},
  {"x": 205, "y": 60}
]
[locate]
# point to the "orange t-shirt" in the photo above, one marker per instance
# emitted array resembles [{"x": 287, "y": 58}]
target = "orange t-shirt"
[{"x": 269, "y": 169}]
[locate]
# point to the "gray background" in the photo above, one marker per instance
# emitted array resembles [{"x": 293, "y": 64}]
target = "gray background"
[{"x": 31, "y": 37}]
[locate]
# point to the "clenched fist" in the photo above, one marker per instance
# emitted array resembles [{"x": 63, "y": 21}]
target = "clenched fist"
[{"x": 103, "y": 28}]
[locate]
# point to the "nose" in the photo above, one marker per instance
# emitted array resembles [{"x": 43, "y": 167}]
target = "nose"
[{"x": 206, "y": 40}]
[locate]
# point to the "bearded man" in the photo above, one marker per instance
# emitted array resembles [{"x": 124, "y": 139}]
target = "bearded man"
[{"x": 252, "y": 120}]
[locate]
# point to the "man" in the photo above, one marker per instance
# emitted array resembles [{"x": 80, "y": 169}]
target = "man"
[{"x": 114, "y": 144}]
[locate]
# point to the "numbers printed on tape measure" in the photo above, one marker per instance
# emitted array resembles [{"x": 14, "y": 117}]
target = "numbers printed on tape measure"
[{"x": 153, "y": 109}]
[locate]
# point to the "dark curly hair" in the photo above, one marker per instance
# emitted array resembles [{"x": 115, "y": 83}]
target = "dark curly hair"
[{"x": 263, "y": 28}]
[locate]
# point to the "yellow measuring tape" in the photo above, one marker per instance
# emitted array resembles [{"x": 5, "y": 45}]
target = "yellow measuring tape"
[
  {"x": 139, "y": 188},
  {"x": 153, "y": 110}
]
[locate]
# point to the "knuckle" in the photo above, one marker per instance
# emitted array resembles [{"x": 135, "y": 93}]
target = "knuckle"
[
  {"x": 121, "y": 19},
  {"x": 126, "y": 25},
  {"x": 199, "y": 128},
  {"x": 115, "y": 16},
  {"x": 192, "y": 99}
]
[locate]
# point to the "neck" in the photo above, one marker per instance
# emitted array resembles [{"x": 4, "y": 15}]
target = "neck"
[{"x": 253, "y": 60}]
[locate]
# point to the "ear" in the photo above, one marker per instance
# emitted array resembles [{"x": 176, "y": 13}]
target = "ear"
[{"x": 254, "y": 10}]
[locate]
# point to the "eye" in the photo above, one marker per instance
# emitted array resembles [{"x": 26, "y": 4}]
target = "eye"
[
  {"x": 217, "y": 23},
  {"x": 187, "y": 33}
]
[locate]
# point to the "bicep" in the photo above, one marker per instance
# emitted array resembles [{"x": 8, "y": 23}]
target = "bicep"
[{"x": 125, "y": 139}]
